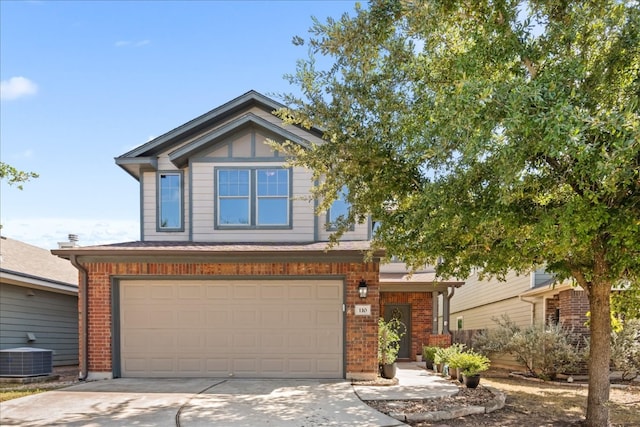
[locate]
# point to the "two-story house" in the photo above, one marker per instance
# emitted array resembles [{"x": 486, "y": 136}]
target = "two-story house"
[{"x": 232, "y": 275}]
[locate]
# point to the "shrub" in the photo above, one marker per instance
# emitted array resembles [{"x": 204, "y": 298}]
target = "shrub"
[
  {"x": 625, "y": 349},
  {"x": 389, "y": 335},
  {"x": 443, "y": 355},
  {"x": 545, "y": 351},
  {"x": 429, "y": 352},
  {"x": 472, "y": 363}
]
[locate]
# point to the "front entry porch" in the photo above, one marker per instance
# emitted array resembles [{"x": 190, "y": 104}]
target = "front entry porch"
[{"x": 415, "y": 300}]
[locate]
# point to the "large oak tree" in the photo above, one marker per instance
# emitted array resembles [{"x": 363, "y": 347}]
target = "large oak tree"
[{"x": 494, "y": 134}]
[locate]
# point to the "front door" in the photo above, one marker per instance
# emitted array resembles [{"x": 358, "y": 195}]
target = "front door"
[{"x": 402, "y": 312}]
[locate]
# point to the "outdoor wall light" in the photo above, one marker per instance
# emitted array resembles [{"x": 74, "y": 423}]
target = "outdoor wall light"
[{"x": 362, "y": 288}]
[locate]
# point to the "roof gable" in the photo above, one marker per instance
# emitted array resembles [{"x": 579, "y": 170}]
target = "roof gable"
[{"x": 144, "y": 156}]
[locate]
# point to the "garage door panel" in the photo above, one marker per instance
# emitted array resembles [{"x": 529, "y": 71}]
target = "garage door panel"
[
  {"x": 329, "y": 292},
  {"x": 217, "y": 292},
  {"x": 161, "y": 292},
  {"x": 244, "y": 328},
  {"x": 301, "y": 292},
  {"x": 241, "y": 292},
  {"x": 190, "y": 292}
]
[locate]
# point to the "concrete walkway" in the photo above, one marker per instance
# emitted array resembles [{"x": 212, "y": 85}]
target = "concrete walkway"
[
  {"x": 414, "y": 383},
  {"x": 194, "y": 402}
]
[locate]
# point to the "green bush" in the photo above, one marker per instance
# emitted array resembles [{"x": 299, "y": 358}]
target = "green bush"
[
  {"x": 389, "y": 335},
  {"x": 428, "y": 352},
  {"x": 545, "y": 351},
  {"x": 625, "y": 349},
  {"x": 471, "y": 363},
  {"x": 444, "y": 354}
]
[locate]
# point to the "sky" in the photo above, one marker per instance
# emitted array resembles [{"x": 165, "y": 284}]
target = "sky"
[{"x": 83, "y": 82}]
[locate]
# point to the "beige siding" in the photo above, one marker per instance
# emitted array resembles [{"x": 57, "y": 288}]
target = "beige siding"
[
  {"x": 360, "y": 231},
  {"x": 476, "y": 293}
]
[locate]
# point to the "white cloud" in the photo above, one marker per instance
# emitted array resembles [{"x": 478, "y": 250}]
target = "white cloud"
[
  {"x": 17, "y": 87},
  {"x": 47, "y": 232}
]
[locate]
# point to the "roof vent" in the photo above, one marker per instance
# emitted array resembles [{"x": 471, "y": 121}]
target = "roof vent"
[
  {"x": 25, "y": 362},
  {"x": 72, "y": 243}
]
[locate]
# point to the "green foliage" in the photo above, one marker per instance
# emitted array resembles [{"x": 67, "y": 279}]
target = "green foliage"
[
  {"x": 471, "y": 363},
  {"x": 545, "y": 351},
  {"x": 15, "y": 176},
  {"x": 500, "y": 135},
  {"x": 389, "y": 335},
  {"x": 626, "y": 304},
  {"x": 625, "y": 349},
  {"x": 444, "y": 354},
  {"x": 429, "y": 352}
]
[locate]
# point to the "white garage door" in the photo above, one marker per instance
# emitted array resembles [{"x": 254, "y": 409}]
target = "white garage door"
[{"x": 239, "y": 328}]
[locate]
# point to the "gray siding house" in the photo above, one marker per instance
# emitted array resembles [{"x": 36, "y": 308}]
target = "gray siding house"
[{"x": 38, "y": 301}]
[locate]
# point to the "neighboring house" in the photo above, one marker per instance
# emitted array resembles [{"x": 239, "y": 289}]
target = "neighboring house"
[
  {"x": 527, "y": 299},
  {"x": 232, "y": 276},
  {"x": 38, "y": 301}
]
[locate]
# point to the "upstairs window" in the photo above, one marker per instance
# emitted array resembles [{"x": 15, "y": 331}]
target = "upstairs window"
[
  {"x": 253, "y": 198},
  {"x": 272, "y": 196},
  {"x": 170, "y": 201},
  {"x": 233, "y": 197},
  {"x": 338, "y": 211}
]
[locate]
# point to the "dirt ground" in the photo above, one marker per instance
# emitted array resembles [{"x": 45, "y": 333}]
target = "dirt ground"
[{"x": 528, "y": 403}]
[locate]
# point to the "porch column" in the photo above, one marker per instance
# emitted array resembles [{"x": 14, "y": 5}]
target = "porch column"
[{"x": 434, "y": 311}]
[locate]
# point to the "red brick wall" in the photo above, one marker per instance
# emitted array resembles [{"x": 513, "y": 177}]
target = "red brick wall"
[
  {"x": 550, "y": 311},
  {"x": 442, "y": 340},
  {"x": 574, "y": 306},
  {"x": 361, "y": 331},
  {"x": 421, "y": 309}
]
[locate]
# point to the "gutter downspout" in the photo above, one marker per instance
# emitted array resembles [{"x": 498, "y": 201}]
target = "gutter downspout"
[
  {"x": 446, "y": 310},
  {"x": 533, "y": 308},
  {"x": 85, "y": 317}
]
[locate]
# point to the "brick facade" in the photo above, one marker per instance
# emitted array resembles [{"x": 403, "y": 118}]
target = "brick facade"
[
  {"x": 574, "y": 306},
  {"x": 361, "y": 331},
  {"x": 550, "y": 314},
  {"x": 421, "y": 313}
]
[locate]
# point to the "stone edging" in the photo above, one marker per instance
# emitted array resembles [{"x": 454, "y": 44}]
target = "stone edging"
[{"x": 456, "y": 411}]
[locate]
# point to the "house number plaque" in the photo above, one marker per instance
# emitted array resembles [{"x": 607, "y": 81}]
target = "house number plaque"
[{"x": 363, "y": 310}]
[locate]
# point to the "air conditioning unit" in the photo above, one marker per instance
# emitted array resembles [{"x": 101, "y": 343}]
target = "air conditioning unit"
[{"x": 25, "y": 362}]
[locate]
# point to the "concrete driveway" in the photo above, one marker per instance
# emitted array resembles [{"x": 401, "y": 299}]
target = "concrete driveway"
[{"x": 196, "y": 402}]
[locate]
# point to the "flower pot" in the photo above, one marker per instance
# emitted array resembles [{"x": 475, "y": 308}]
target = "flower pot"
[
  {"x": 460, "y": 376},
  {"x": 429, "y": 364},
  {"x": 418, "y": 358},
  {"x": 471, "y": 381},
  {"x": 388, "y": 371}
]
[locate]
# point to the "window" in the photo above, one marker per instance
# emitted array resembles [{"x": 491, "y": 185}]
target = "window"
[
  {"x": 253, "y": 198},
  {"x": 459, "y": 323},
  {"x": 233, "y": 197},
  {"x": 273, "y": 197},
  {"x": 338, "y": 210},
  {"x": 170, "y": 201}
]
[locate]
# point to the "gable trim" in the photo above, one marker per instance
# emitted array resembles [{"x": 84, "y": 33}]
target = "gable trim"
[{"x": 180, "y": 157}]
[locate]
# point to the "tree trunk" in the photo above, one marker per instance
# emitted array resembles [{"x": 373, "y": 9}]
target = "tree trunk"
[{"x": 599, "y": 354}]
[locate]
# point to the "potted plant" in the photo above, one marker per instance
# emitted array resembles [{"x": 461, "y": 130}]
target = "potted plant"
[
  {"x": 443, "y": 355},
  {"x": 472, "y": 365},
  {"x": 428, "y": 354},
  {"x": 389, "y": 335},
  {"x": 455, "y": 365}
]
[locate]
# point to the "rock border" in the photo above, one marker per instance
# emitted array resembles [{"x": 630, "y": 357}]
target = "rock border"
[{"x": 494, "y": 404}]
